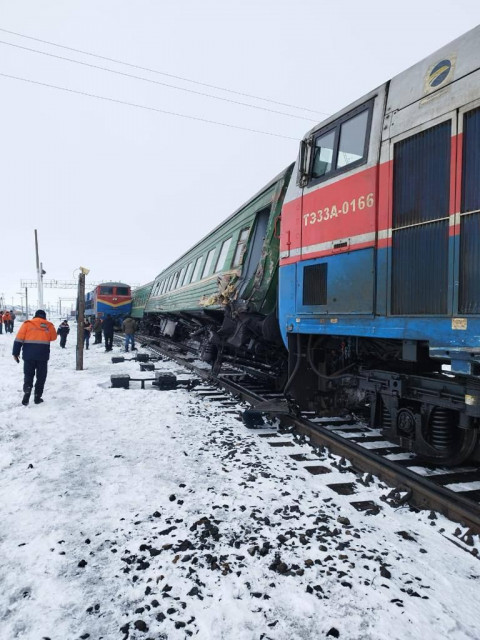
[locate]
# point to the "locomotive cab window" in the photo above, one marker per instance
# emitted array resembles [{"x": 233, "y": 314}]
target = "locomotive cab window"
[
  {"x": 122, "y": 291},
  {"x": 323, "y": 155},
  {"x": 343, "y": 146},
  {"x": 106, "y": 291}
]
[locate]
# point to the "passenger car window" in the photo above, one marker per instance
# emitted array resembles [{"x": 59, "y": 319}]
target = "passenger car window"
[
  {"x": 222, "y": 256},
  {"x": 241, "y": 245},
  {"x": 174, "y": 281},
  {"x": 352, "y": 140},
  {"x": 323, "y": 155},
  {"x": 196, "y": 272},
  {"x": 208, "y": 262},
  {"x": 188, "y": 274},
  {"x": 182, "y": 276}
]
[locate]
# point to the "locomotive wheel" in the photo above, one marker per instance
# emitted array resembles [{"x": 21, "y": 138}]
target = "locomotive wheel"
[{"x": 449, "y": 458}]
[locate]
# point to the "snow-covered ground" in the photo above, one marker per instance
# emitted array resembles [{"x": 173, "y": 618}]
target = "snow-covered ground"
[{"x": 155, "y": 514}]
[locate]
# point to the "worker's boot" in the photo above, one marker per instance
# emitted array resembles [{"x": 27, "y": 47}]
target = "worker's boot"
[
  {"x": 37, "y": 399},
  {"x": 26, "y": 395}
]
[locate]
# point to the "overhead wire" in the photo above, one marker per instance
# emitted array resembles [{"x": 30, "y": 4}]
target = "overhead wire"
[
  {"x": 145, "y": 107},
  {"x": 157, "y": 82},
  {"x": 156, "y": 71}
]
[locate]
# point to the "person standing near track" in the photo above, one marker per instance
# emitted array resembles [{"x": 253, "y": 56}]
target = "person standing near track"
[
  {"x": 34, "y": 337},
  {"x": 108, "y": 326},
  {"x": 12, "y": 320},
  {"x": 1, "y": 322},
  {"x": 129, "y": 328},
  {"x": 7, "y": 321},
  {"x": 87, "y": 330},
  {"x": 97, "y": 330},
  {"x": 63, "y": 331}
]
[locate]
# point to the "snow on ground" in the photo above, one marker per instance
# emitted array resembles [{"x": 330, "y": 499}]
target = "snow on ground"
[{"x": 155, "y": 514}]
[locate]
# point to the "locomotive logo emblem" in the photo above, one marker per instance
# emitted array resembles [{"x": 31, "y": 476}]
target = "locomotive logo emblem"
[{"x": 439, "y": 74}]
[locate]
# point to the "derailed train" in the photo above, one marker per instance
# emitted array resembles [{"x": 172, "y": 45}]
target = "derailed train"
[{"x": 365, "y": 257}]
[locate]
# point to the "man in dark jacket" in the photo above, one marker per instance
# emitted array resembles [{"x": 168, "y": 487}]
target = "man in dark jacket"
[
  {"x": 63, "y": 331},
  {"x": 108, "y": 325},
  {"x": 97, "y": 330},
  {"x": 34, "y": 337},
  {"x": 129, "y": 328}
]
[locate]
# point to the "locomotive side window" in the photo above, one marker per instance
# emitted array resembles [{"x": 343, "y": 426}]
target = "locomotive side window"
[
  {"x": 343, "y": 146},
  {"x": 241, "y": 246},
  {"x": 122, "y": 291},
  {"x": 323, "y": 155},
  {"x": 196, "y": 272},
  {"x": 208, "y": 262},
  {"x": 222, "y": 256},
  {"x": 352, "y": 140},
  {"x": 106, "y": 291}
]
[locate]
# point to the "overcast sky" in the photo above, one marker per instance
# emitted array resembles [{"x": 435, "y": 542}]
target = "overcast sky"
[{"x": 123, "y": 190}]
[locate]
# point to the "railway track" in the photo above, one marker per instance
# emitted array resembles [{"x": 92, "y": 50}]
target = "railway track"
[{"x": 453, "y": 492}]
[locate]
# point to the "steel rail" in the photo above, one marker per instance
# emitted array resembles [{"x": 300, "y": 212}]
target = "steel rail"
[{"x": 425, "y": 494}]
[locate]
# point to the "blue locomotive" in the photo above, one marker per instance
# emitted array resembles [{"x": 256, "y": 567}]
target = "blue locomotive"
[
  {"x": 379, "y": 292},
  {"x": 114, "y": 298}
]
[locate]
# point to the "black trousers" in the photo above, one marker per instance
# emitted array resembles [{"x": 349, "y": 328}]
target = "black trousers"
[
  {"x": 98, "y": 337},
  {"x": 63, "y": 340},
  {"x": 108, "y": 341},
  {"x": 30, "y": 368}
]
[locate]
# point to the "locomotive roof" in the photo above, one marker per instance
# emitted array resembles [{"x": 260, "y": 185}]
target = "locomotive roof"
[
  {"x": 425, "y": 79},
  {"x": 112, "y": 284}
]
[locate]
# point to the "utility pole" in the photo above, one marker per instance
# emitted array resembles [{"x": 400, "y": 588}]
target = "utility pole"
[
  {"x": 80, "y": 316},
  {"x": 26, "y": 303},
  {"x": 39, "y": 274}
]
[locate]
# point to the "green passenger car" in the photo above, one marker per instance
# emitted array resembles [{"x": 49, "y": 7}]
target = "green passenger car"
[
  {"x": 140, "y": 298},
  {"x": 223, "y": 290}
]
